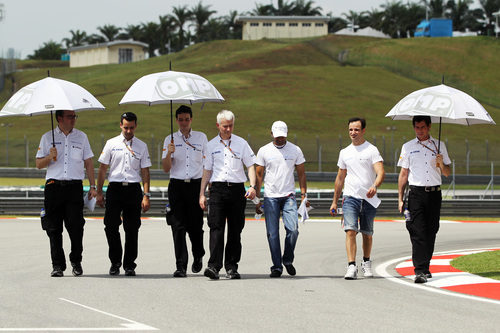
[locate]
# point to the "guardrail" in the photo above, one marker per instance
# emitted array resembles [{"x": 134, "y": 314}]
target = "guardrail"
[{"x": 464, "y": 207}]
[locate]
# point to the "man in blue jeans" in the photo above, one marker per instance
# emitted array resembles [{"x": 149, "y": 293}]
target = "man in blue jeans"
[
  {"x": 279, "y": 159},
  {"x": 361, "y": 170}
]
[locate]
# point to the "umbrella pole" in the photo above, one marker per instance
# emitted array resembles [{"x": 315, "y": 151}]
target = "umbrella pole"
[
  {"x": 171, "y": 124},
  {"x": 52, "y": 123},
  {"x": 439, "y": 138}
]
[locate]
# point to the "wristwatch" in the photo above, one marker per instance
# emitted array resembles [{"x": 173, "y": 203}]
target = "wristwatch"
[
  {"x": 147, "y": 194},
  {"x": 93, "y": 186}
]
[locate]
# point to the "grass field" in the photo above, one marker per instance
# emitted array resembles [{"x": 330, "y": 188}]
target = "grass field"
[
  {"x": 298, "y": 81},
  {"x": 484, "y": 264}
]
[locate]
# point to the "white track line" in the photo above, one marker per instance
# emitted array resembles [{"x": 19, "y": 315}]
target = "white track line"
[
  {"x": 382, "y": 271},
  {"x": 131, "y": 325}
]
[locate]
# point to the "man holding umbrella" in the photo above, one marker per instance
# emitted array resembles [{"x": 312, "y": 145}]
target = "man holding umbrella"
[
  {"x": 422, "y": 164},
  {"x": 183, "y": 158},
  {"x": 65, "y": 152}
]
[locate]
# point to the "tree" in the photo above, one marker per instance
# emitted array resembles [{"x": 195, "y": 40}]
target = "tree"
[
  {"x": 336, "y": 23},
  {"x": 284, "y": 8},
  {"x": 150, "y": 32},
  {"x": 200, "y": 15},
  {"x": 490, "y": 7},
  {"x": 165, "y": 29},
  {"x": 131, "y": 31},
  {"x": 263, "y": 10},
  {"x": 461, "y": 15},
  {"x": 49, "y": 51},
  {"x": 78, "y": 38},
  {"x": 233, "y": 30},
  {"x": 95, "y": 38},
  {"x": 374, "y": 19},
  {"x": 180, "y": 17},
  {"x": 109, "y": 31},
  {"x": 306, "y": 8},
  {"x": 356, "y": 20}
]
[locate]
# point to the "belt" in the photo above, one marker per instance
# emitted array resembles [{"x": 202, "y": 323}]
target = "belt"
[
  {"x": 63, "y": 182},
  {"x": 123, "y": 183},
  {"x": 226, "y": 184},
  {"x": 436, "y": 188},
  {"x": 189, "y": 180}
]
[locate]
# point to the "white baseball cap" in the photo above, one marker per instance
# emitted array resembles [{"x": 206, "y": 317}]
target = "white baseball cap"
[{"x": 279, "y": 128}]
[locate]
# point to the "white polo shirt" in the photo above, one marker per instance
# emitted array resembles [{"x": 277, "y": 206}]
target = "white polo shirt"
[
  {"x": 72, "y": 150},
  {"x": 279, "y": 166},
  {"x": 420, "y": 159},
  {"x": 125, "y": 159},
  {"x": 187, "y": 160},
  {"x": 359, "y": 161},
  {"x": 225, "y": 158}
]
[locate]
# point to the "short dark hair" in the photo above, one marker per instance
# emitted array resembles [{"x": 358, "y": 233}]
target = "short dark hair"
[
  {"x": 418, "y": 119},
  {"x": 128, "y": 116},
  {"x": 183, "y": 109},
  {"x": 59, "y": 113},
  {"x": 354, "y": 119}
]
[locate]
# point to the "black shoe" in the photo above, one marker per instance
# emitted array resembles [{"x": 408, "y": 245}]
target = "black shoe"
[
  {"x": 57, "y": 272},
  {"x": 197, "y": 265},
  {"x": 290, "y": 269},
  {"x": 233, "y": 274},
  {"x": 420, "y": 278},
  {"x": 114, "y": 269},
  {"x": 211, "y": 273},
  {"x": 428, "y": 275},
  {"x": 129, "y": 272},
  {"x": 275, "y": 273},
  {"x": 77, "y": 268},
  {"x": 180, "y": 273}
]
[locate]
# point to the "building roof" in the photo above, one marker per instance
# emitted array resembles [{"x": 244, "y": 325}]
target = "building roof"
[
  {"x": 242, "y": 19},
  {"x": 108, "y": 44}
]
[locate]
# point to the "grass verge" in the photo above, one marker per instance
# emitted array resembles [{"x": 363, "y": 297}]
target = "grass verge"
[{"x": 484, "y": 264}]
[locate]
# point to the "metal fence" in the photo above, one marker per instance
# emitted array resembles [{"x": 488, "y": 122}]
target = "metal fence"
[{"x": 471, "y": 156}]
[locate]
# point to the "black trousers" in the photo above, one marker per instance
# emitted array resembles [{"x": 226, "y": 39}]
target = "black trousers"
[
  {"x": 425, "y": 209},
  {"x": 123, "y": 202},
  {"x": 185, "y": 216},
  {"x": 64, "y": 204},
  {"x": 227, "y": 202}
]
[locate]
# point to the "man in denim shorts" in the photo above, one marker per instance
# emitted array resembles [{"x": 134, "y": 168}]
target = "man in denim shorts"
[{"x": 361, "y": 170}]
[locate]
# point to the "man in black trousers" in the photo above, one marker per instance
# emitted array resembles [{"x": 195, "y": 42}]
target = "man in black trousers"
[
  {"x": 128, "y": 160},
  {"x": 423, "y": 160},
  {"x": 183, "y": 158},
  {"x": 227, "y": 155},
  {"x": 65, "y": 153}
]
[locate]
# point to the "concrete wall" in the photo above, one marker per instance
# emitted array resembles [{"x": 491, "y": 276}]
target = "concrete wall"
[{"x": 253, "y": 30}]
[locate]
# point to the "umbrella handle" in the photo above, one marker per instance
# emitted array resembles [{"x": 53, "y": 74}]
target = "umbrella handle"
[{"x": 53, "y": 140}]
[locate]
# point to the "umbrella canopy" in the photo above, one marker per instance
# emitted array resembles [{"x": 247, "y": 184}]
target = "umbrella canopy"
[
  {"x": 48, "y": 95},
  {"x": 171, "y": 86},
  {"x": 441, "y": 103}
]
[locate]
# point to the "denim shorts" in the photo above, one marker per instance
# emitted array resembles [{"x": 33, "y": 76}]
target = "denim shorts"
[{"x": 358, "y": 215}]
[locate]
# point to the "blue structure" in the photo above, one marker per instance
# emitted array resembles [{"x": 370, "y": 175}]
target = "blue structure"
[{"x": 435, "y": 27}]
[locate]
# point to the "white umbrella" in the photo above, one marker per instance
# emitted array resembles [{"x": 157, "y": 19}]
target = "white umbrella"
[
  {"x": 442, "y": 103},
  {"x": 171, "y": 87},
  {"x": 48, "y": 95}
]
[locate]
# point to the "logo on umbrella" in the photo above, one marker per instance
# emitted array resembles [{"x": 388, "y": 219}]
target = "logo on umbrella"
[
  {"x": 184, "y": 87},
  {"x": 439, "y": 105}
]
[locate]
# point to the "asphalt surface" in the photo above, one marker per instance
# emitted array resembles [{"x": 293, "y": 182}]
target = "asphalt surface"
[{"x": 317, "y": 299}]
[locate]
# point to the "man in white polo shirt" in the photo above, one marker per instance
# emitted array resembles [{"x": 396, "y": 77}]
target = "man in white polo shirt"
[
  {"x": 279, "y": 159},
  {"x": 65, "y": 152},
  {"x": 361, "y": 170},
  {"x": 227, "y": 155},
  {"x": 183, "y": 158},
  {"x": 423, "y": 160},
  {"x": 128, "y": 160}
]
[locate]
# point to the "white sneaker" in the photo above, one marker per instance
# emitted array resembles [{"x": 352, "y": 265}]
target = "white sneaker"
[
  {"x": 366, "y": 268},
  {"x": 352, "y": 273}
]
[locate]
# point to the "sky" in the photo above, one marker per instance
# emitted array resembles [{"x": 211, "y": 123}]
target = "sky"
[{"x": 27, "y": 24}]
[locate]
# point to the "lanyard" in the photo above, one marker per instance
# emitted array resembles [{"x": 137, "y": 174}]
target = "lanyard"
[
  {"x": 129, "y": 147},
  {"x": 228, "y": 146},
  {"x": 427, "y": 147},
  {"x": 190, "y": 145}
]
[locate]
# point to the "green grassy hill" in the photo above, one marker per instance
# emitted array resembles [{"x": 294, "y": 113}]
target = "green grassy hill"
[{"x": 298, "y": 81}]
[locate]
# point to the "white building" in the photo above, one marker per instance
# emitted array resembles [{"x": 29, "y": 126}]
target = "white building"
[
  {"x": 258, "y": 27},
  {"x": 115, "y": 52}
]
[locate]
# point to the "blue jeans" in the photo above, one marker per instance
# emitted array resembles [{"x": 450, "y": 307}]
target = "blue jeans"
[
  {"x": 358, "y": 211},
  {"x": 272, "y": 209}
]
